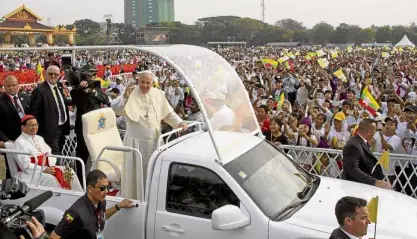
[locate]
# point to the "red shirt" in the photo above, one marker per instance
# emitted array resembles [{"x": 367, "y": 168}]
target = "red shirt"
[{"x": 265, "y": 124}]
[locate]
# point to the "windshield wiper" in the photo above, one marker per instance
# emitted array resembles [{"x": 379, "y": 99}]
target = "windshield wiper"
[
  {"x": 306, "y": 190},
  {"x": 288, "y": 208}
]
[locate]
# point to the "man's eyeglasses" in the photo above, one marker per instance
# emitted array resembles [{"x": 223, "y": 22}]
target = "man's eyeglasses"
[
  {"x": 53, "y": 74},
  {"x": 104, "y": 187}
]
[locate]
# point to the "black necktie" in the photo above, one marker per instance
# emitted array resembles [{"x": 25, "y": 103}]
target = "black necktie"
[
  {"x": 16, "y": 105},
  {"x": 60, "y": 106}
]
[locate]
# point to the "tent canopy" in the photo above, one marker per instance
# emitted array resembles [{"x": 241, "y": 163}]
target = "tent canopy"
[{"x": 405, "y": 42}]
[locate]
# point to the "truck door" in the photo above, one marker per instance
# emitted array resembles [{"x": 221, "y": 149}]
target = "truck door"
[{"x": 187, "y": 196}]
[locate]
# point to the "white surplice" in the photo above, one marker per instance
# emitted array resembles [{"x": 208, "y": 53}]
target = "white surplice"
[
  {"x": 37, "y": 146},
  {"x": 144, "y": 114}
]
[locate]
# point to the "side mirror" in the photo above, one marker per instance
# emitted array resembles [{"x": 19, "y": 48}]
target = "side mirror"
[{"x": 228, "y": 217}]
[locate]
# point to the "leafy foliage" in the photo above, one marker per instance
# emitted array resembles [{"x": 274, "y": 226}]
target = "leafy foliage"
[{"x": 232, "y": 28}]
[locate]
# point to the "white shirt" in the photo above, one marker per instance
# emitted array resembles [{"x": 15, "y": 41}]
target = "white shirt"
[
  {"x": 18, "y": 103},
  {"x": 349, "y": 235},
  {"x": 223, "y": 117},
  {"x": 31, "y": 144},
  {"x": 121, "y": 88},
  {"x": 57, "y": 104},
  {"x": 318, "y": 133},
  {"x": 173, "y": 98},
  {"x": 342, "y": 137},
  {"x": 394, "y": 141}
]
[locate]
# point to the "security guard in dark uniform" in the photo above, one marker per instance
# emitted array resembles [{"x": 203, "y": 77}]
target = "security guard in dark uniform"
[{"x": 85, "y": 219}]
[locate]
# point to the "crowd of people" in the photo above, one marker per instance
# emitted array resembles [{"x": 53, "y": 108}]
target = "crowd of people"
[
  {"x": 298, "y": 100},
  {"x": 321, "y": 109}
]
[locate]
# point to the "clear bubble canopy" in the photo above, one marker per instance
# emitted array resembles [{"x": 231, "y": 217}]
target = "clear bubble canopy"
[{"x": 215, "y": 83}]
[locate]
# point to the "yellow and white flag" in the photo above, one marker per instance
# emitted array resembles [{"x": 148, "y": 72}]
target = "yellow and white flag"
[
  {"x": 290, "y": 55},
  {"x": 320, "y": 53},
  {"x": 333, "y": 53},
  {"x": 385, "y": 54},
  {"x": 373, "y": 209},
  {"x": 339, "y": 74},
  {"x": 384, "y": 160},
  {"x": 283, "y": 59},
  {"x": 323, "y": 62},
  {"x": 349, "y": 49}
]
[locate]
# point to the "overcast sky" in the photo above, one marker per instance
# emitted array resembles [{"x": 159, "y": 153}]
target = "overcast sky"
[{"x": 360, "y": 12}]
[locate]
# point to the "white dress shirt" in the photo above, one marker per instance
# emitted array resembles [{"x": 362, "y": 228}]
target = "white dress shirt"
[
  {"x": 349, "y": 235},
  {"x": 19, "y": 103},
  {"x": 57, "y": 104}
]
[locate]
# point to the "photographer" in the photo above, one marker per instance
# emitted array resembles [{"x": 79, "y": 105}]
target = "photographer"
[
  {"x": 15, "y": 189},
  {"x": 87, "y": 96},
  {"x": 35, "y": 226}
]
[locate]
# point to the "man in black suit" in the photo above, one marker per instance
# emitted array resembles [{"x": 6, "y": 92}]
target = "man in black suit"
[
  {"x": 13, "y": 106},
  {"x": 49, "y": 106},
  {"x": 358, "y": 159},
  {"x": 87, "y": 97},
  {"x": 353, "y": 218}
]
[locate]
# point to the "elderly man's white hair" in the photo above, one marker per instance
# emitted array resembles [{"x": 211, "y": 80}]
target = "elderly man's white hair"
[
  {"x": 142, "y": 73},
  {"x": 53, "y": 67}
]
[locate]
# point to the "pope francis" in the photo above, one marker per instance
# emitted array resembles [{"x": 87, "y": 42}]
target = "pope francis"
[{"x": 145, "y": 107}]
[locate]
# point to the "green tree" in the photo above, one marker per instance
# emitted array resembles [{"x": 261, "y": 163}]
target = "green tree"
[
  {"x": 398, "y": 32},
  {"x": 383, "y": 34},
  {"x": 86, "y": 27},
  {"x": 126, "y": 33},
  {"x": 321, "y": 32},
  {"x": 290, "y": 24},
  {"x": 19, "y": 39},
  {"x": 301, "y": 36},
  {"x": 341, "y": 34},
  {"x": 243, "y": 28},
  {"x": 367, "y": 35}
]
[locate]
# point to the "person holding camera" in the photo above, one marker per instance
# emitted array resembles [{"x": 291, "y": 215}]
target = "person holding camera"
[
  {"x": 36, "y": 228},
  {"x": 87, "y": 96},
  {"x": 15, "y": 189}
]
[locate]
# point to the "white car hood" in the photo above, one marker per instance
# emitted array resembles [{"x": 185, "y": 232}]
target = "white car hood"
[{"x": 397, "y": 213}]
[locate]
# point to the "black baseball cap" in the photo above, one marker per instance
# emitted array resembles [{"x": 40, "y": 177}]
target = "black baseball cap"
[
  {"x": 411, "y": 109},
  {"x": 392, "y": 119}
]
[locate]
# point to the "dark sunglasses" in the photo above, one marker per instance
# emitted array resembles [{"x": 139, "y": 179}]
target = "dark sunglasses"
[{"x": 104, "y": 187}]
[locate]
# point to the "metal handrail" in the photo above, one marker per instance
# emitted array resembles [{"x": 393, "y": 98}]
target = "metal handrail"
[
  {"x": 170, "y": 133},
  {"x": 338, "y": 151},
  {"x": 17, "y": 152},
  {"x": 12, "y": 151},
  {"x": 125, "y": 149},
  {"x": 70, "y": 158}
]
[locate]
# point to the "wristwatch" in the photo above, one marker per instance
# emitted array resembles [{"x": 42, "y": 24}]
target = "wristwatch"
[{"x": 117, "y": 207}]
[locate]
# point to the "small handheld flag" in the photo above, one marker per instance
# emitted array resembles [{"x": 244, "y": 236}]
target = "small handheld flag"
[
  {"x": 373, "y": 209},
  {"x": 383, "y": 161}
]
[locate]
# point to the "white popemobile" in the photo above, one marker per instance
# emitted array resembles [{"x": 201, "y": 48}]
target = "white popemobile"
[{"x": 224, "y": 183}]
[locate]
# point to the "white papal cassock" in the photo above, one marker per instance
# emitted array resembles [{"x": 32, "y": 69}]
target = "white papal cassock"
[
  {"x": 144, "y": 114},
  {"x": 37, "y": 146}
]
